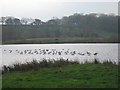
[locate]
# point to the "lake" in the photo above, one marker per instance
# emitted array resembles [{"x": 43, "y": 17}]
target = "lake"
[{"x": 80, "y": 52}]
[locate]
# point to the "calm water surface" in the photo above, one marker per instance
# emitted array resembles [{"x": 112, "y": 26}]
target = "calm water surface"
[{"x": 81, "y": 52}]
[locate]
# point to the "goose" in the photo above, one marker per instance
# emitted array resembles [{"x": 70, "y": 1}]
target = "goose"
[
  {"x": 95, "y": 53},
  {"x": 88, "y": 53}
]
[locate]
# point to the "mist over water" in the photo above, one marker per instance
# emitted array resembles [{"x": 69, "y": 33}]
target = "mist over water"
[{"x": 80, "y": 52}]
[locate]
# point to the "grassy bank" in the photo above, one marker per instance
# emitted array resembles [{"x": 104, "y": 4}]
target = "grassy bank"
[
  {"x": 61, "y": 40},
  {"x": 72, "y": 75}
]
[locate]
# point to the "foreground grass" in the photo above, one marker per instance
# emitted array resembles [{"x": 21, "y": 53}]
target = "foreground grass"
[{"x": 68, "y": 76}]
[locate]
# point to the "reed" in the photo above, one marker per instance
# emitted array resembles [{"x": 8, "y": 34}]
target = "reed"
[{"x": 36, "y": 65}]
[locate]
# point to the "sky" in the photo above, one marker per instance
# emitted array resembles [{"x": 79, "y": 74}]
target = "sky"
[{"x": 47, "y": 9}]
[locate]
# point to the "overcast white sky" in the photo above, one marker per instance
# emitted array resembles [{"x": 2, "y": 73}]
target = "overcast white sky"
[{"x": 46, "y": 9}]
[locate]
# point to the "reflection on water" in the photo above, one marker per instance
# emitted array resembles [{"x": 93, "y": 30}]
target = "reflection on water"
[{"x": 22, "y": 53}]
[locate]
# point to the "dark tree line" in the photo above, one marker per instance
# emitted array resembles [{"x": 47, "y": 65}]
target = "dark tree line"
[{"x": 76, "y": 25}]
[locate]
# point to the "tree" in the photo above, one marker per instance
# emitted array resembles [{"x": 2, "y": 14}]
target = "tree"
[
  {"x": 9, "y": 21},
  {"x": 52, "y": 22},
  {"x": 2, "y": 20},
  {"x": 37, "y": 22},
  {"x": 16, "y": 21},
  {"x": 25, "y": 21}
]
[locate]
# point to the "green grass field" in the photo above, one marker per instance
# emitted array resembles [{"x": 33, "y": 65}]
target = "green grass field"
[{"x": 68, "y": 76}]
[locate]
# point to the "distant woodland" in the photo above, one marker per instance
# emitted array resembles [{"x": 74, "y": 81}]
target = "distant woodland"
[{"x": 92, "y": 25}]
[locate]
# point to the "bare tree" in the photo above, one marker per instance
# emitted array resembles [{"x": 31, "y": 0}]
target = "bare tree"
[{"x": 26, "y": 21}]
